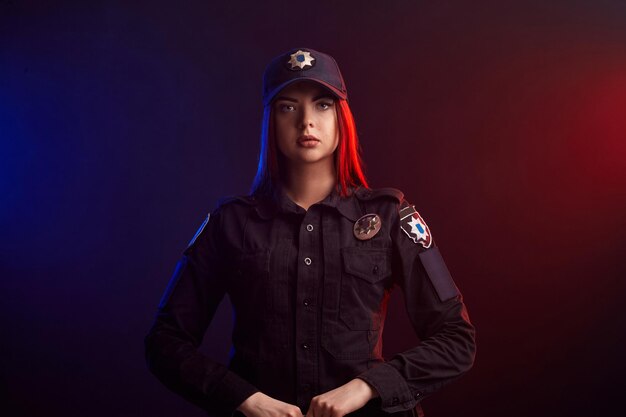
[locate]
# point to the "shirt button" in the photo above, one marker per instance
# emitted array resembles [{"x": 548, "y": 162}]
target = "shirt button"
[
  {"x": 305, "y": 346},
  {"x": 309, "y": 227},
  {"x": 307, "y": 261},
  {"x": 306, "y": 302},
  {"x": 306, "y": 387},
  {"x": 418, "y": 394}
]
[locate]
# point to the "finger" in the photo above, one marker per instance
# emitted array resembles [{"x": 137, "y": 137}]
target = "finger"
[
  {"x": 323, "y": 411},
  {"x": 318, "y": 406},
  {"x": 297, "y": 412}
]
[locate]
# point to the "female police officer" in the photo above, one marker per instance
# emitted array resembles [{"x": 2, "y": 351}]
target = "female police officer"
[{"x": 308, "y": 260}]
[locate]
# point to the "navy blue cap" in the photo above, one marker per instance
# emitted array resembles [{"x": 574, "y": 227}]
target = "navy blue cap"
[{"x": 302, "y": 64}]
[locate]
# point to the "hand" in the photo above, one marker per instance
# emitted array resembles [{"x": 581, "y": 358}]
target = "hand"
[
  {"x": 261, "y": 405},
  {"x": 342, "y": 400}
]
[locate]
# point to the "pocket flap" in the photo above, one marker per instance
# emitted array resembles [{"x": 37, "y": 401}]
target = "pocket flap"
[
  {"x": 367, "y": 263},
  {"x": 253, "y": 262}
]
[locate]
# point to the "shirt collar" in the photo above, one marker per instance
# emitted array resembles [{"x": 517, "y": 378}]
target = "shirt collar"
[{"x": 269, "y": 207}]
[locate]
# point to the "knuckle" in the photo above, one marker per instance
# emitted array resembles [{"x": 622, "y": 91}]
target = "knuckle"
[{"x": 337, "y": 411}]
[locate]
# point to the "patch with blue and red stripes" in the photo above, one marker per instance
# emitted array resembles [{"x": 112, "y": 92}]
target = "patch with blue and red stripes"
[{"x": 415, "y": 227}]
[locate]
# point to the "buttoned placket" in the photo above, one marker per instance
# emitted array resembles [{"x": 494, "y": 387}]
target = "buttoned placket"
[{"x": 307, "y": 283}]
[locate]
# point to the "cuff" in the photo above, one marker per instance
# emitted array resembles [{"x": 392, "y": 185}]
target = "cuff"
[
  {"x": 393, "y": 390},
  {"x": 231, "y": 392}
]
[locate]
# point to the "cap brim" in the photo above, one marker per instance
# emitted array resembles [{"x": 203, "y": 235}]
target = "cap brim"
[{"x": 276, "y": 90}]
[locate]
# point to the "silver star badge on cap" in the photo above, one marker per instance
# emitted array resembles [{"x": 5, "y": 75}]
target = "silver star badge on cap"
[
  {"x": 300, "y": 59},
  {"x": 367, "y": 227}
]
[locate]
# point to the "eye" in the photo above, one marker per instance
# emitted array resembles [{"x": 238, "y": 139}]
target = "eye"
[
  {"x": 325, "y": 105},
  {"x": 286, "y": 108}
]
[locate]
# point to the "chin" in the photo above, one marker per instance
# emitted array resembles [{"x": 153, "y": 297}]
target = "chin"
[
  {"x": 310, "y": 156},
  {"x": 314, "y": 157}
]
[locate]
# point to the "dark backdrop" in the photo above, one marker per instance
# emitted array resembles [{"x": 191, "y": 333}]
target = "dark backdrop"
[{"x": 122, "y": 123}]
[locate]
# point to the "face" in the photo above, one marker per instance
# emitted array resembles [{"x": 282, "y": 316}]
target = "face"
[{"x": 305, "y": 121}]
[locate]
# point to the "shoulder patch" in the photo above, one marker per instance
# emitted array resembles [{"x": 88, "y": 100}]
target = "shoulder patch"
[
  {"x": 372, "y": 193},
  {"x": 414, "y": 225},
  {"x": 200, "y": 229}
]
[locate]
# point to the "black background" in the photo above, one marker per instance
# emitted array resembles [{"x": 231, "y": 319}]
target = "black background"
[{"x": 122, "y": 123}]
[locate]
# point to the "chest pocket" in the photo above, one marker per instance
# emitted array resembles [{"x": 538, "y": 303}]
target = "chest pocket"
[{"x": 364, "y": 279}]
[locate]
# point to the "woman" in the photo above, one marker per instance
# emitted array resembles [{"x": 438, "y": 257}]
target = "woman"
[{"x": 308, "y": 260}]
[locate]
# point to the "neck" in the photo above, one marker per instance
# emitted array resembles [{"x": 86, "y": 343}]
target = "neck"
[{"x": 307, "y": 184}]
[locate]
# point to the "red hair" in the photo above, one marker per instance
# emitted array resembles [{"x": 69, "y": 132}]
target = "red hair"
[{"x": 348, "y": 163}]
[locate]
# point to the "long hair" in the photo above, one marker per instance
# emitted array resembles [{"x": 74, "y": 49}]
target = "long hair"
[{"x": 347, "y": 158}]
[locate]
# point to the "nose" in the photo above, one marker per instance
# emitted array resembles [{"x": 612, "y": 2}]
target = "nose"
[{"x": 306, "y": 118}]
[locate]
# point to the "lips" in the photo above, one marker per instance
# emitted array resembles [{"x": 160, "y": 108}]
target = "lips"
[
  {"x": 308, "y": 141},
  {"x": 305, "y": 138}
]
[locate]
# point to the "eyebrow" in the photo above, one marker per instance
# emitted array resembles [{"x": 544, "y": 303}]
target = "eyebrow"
[{"x": 324, "y": 95}]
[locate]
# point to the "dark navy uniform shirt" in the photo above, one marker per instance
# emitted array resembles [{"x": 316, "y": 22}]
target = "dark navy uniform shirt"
[{"x": 309, "y": 302}]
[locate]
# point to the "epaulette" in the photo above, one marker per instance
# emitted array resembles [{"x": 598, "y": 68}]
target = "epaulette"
[
  {"x": 373, "y": 193},
  {"x": 264, "y": 207},
  {"x": 246, "y": 199}
]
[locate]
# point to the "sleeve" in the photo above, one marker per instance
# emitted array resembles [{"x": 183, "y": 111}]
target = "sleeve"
[
  {"x": 437, "y": 313},
  {"x": 184, "y": 313}
]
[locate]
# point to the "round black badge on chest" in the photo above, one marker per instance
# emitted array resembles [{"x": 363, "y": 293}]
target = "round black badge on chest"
[{"x": 367, "y": 226}]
